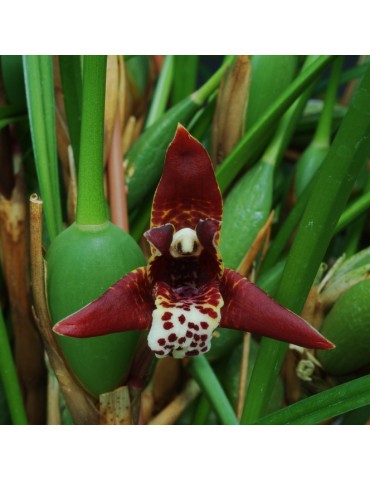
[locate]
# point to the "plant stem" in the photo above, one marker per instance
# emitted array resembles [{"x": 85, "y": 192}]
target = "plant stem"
[
  {"x": 203, "y": 373},
  {"x": 162, "y": 91},
  {"x": 91, "y": 206},
  {"x": 277, "y": 146},
  {"x": 202, "y": 411},
  {"x": 283, "y": 135},
  {"x": 323, "y": 131},
  {"x": 10, "y": 379},
  {"x": 354, "y": 234},
  {"x": 358, "y": 207}
]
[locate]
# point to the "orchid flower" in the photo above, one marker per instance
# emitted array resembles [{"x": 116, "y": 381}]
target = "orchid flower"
[{"x": 185, "y": 293}]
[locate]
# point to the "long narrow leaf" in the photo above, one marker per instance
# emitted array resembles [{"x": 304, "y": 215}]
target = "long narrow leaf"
[
  {"x": 9, "y": 378},
  {"x": 71, "y": 75},
  {"x": 40, "y": 101},
  {"x": 324, "y": 405}
]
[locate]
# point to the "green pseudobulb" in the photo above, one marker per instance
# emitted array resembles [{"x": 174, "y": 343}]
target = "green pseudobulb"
[
  {"x": 82, "y": 262},
  {"x": 348, "y": 327}
]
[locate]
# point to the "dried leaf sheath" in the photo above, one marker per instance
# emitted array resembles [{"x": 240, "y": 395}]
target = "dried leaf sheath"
[{"x": 184, "y": 294}]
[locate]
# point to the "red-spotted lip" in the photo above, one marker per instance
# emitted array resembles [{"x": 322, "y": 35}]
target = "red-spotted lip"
[{"x": 187, "y": 191}]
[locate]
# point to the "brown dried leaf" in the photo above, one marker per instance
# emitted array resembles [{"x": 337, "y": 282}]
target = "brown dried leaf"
[
  {"x": 63, "y": 142},
  {"x": 171, "y": 413},
  {"x": 128, "y": 134},
  {"x": 29, "y": 352},
  {"x": 232, "y": 101},
  {"x": 72, "y": 188},
  {"x": 116, "y": 181},
  {"x": 122, "y": 92},
  {"x": 292, "y": 384},
  {"x": 167, "y": 379},
  {"x": 115, "y": 408},
  {"x": 244, "y": 363},
  {"x": 262, "y": 239},
  {"x": 111, "y": 102},
  {"x": 147, "y": 406}
]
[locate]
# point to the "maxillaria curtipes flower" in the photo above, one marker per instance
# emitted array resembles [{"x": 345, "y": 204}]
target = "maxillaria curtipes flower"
[{"x": 185, "y": 293}]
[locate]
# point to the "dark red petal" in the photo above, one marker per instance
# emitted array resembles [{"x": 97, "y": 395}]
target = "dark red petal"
[
  {"x": 160, "y": 237},
  {"x": 248, "y": 308},
  {"x": 188, "y": 190},
  {"x": 208, "y": 233},
  {"x": 126, "y": 305}
]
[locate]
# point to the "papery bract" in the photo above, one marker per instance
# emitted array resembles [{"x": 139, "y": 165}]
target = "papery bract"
[{"x": 185, "y": 293}]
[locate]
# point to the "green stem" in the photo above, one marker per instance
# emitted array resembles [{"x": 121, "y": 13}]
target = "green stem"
[
  {"x": 202, "y": 94},
  {"x": 202, "y": 411},
  {"x": 203, "y": 373},
  {"x": 162, "y": 91},
  {"x": 323, "y": 131},
  {"x": 323, "y": 406},
  {"x": 330, "y": 191},
  {"x": 9, "y": 378},
  {"x": 91, "y": 206},
  {"x": 358, "y": 207},
  {"x": 352, "y": 74},
  {"x": 275, "y": 151},
  {"x": 354, "y": 234}
]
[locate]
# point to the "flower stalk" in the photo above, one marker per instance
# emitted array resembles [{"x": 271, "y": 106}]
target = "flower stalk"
[{"x": 91, "y": 206}]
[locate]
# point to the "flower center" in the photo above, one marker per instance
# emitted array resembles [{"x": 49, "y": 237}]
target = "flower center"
[{"x": 185, "y": 243}]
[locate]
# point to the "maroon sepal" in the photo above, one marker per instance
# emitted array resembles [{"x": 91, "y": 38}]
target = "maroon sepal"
[
  {"x": 160, "y": 237},
  {"x": 188, "y": 190},
  {"x": 248, "y": 308},
  {"x": 126, "y": 305}
]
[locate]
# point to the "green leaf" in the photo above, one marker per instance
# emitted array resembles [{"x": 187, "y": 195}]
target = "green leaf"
[
  {"x": 323, "y": 406},
  {"x": 41, "y": 110},
  {"x": 10, "y": 379},
  {"x": 71, "y": 76}
]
